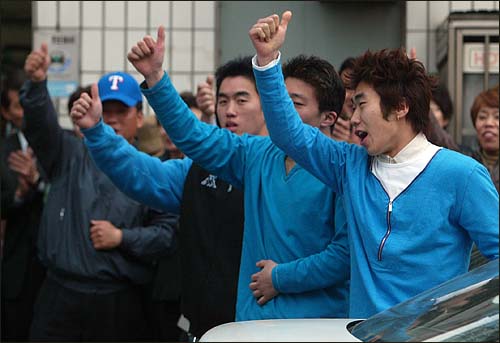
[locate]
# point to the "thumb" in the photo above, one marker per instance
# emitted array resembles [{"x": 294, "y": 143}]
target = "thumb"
[
  {"x": 285, "y": 19},
  {"x": 261, "y": 264},
  {"x": 44, "y": 49},
  {"x": 160, "y": 40},
  {"x": 413, "y": 53},
  {"x": 94, "y": 92},
  {"x": 210, "y": 80}
]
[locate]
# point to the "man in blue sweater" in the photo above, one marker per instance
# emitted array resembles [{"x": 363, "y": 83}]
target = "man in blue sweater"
[
  {"x": 415, "y": 208},
  {"x": 294, "y": 259}
]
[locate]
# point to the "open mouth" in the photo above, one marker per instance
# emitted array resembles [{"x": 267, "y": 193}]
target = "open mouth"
[
  {"x": 231, "y": 126},
  {"x": 361, "y": 134}
]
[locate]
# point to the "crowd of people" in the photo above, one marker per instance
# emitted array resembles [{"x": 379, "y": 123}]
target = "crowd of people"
[{"x": 278, "y": 190}]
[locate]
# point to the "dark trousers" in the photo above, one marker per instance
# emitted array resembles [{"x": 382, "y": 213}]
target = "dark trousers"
[
  {"x": 162, "y": 317},
  {"x": 63, "y": 314},
  {"x": 17, "y": 313}
]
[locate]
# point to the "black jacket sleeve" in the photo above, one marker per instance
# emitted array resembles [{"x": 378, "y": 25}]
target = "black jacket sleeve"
[
  {"x": 156, "y": 239},
  {"x": 41, "y": 126}
]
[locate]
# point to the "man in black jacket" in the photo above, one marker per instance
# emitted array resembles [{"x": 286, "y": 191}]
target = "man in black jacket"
[
  {"x": 22, "y": 190},
  {"x": 99, "y": 246}
]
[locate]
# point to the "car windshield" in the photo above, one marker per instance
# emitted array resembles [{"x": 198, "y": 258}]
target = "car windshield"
[{"x": 464, "y": 309}]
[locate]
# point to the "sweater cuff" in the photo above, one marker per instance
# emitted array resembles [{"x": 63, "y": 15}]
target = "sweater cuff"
[
  {"x": 127, "y": 238},
  {"x": 165, "y": 81},
  {"x": 271, "y": 64},
  {"x": 275, "y": 278},
  {"x": 94, "y": 133}
]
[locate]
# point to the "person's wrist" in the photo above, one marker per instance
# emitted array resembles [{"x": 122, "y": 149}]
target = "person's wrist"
[
  {"x": 38, "y": 78},
  {"x": 263, "y": 60},
  {"x": 34, "y": 177},
  {"x": 154, "y": 77}
]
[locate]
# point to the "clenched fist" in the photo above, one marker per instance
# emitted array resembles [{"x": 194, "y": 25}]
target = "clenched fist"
[{"x": 37, "y": 63}]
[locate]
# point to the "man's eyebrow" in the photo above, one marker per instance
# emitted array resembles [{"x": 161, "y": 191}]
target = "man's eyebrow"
[
  {"x": 296, "y": 95},
  {"x": 357, "y": 97},
  {"x": 236, "y": 94}
]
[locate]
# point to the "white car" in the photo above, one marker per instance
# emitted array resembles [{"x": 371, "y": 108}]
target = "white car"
[{"x": 464, "y": 309}]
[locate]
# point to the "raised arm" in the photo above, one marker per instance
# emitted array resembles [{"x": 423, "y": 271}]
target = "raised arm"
[
  {"x": 313, "y": 150},
  {"x": 142, "y": 177},
  {"x": 41, "y": 129},
  {"x": 217, "y": 150}
]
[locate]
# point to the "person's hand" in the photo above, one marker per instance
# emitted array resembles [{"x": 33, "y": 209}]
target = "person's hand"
[
  {"x": 205, "y": 96},
  {"x": 22, "y": 189},
  {"x": 37, "y": 63},
  {"x": 413, "y": 53},
  {"x": 268, "y": 35},
  {"x": 147, "y": 57},
  {"x": 24, "y": 163},
  {"x": 262, "y": 282},
  {"x": 87, "y": 111},
  {"x": 342, "y": 130},
  {"x": 104, "y": 235}
]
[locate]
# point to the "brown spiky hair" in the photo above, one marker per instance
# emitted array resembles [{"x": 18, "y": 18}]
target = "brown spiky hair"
[{"x": 397, "y": 79}]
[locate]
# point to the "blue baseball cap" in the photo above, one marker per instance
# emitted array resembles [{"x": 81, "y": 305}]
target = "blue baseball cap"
[{"x": 120, "y": 86}]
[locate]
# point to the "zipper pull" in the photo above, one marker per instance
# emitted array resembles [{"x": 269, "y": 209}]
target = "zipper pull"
[
  {"x": 61, "y": 213},
  {"x": 390, "y": 206}
]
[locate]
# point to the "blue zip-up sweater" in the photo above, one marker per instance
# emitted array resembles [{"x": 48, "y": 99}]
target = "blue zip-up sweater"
[
  {"x": 398, "y": 250},
  {"x": 288, "y": 218}
]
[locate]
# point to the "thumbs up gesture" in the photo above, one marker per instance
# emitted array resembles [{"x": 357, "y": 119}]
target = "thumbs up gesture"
[
  {"x": 37, "y": 63},
  {"x": 147, "y": 57},
  {"x": 268, "y": 35},
  {"x": 87, "y": 111},
  {"x": 205, "y": 96}
]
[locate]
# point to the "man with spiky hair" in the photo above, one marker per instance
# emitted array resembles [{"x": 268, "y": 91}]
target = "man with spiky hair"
[{"x": 414, "y": 208}]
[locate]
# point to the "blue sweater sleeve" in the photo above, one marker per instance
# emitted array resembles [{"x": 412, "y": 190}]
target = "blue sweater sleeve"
[
  {"x": 481, "y": 220},
  {"x": 142, "y": 177},
  {"x": 314, "y": 151},
  {"x": 328, "y": 268},
  {"x": 219, "y": 151}
]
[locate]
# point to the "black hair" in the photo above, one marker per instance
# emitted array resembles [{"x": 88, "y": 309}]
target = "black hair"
[
  {"x": 321, "y": 75},
  {"x": 189, "y": 98},
  {"x": 348, "y": 63},
  {"x": 240, "y": 66},
  {"x": 76, "y": 95},
  {"x": 441, "y": 96},
  {"x": 13, "y": 81}
]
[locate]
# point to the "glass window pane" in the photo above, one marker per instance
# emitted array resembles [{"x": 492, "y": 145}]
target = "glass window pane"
[
  {"x": 137, "y": 14},
  {"x": 204, "y": 14},
  {"x": 204, "y": 51},
  {"x": 70, "y": 14},
  {"x": 115, "y": 14},
  {"x": 181, "y": 51},
  {"x": 181, "y": 14},
  {"x": 46, "y": 13},
  {"x": 91, "y": 50},
  {"x": 92, "y": 13}
]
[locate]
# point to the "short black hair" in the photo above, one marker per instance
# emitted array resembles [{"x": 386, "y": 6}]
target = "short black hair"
[
  {"x": 240, "y": 66},
  {"x": 189, "y": 98},
  {"x": 322, "y": 76},
  {"x": 348, "y": 63},
  {"x": 76, "y": 95},
  {"x": 441, "y": 96},
  {"x": 13, "y": 81}
]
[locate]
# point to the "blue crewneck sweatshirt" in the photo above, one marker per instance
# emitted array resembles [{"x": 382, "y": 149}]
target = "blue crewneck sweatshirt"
[{"x": 289, "y": 218}]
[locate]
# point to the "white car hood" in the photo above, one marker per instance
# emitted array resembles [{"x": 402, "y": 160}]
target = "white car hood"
[{"x": 282, "y": 330}]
